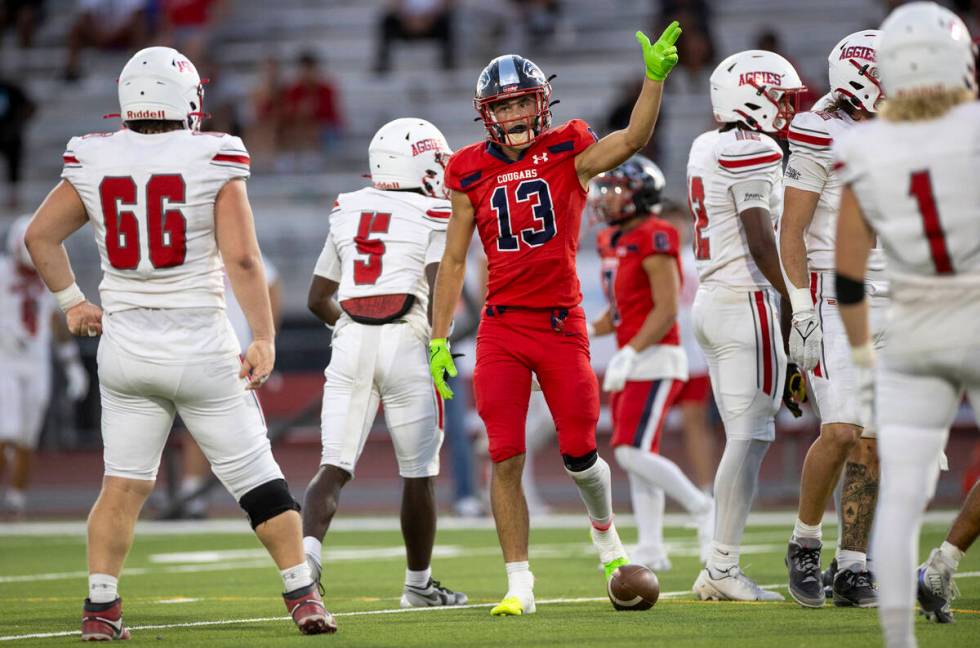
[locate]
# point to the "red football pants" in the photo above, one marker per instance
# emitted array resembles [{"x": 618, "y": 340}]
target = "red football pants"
[
  {"x": 639, "y": 411},
  {"x": 509, "y": 346}
]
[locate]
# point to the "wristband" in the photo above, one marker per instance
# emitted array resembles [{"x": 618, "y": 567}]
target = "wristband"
[
  {"x": 69, "y": 297},
  {"x": 800, "y": 299}
]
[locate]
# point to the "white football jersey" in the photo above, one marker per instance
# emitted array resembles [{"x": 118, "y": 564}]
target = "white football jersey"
[
  {"x": 917, "y": 187},
  {"x": 810, "y": 168},
  {"x": 728, "y": 172},
  {"x": 151, "y": 202},
  {"x": 380, "y": 242},
  {"x": 26, "y": 308}
]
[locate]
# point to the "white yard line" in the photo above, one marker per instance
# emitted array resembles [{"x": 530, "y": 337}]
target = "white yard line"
[{"x": 392, "y": 523}]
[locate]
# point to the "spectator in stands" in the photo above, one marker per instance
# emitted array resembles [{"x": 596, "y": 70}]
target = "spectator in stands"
[
  {"x": 23, "y": 16},
  {"x": 311, "y": 115},
  {"x": 619, "y": 117},
  {"x": 187, "y": 24},
  {"x": 697, "y": 51},
  {"x": 265, "y": 115},
  {"x": 768, "y": 39},
  {"x": 105, "y": 24},
  {"x": 416, "y": 20},
  {"x": 540, "y": 19},
  {"x": 16, "y": 109}
]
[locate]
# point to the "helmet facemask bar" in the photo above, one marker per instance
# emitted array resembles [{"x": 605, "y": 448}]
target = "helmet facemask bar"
[
  {"x": 499, "y": 130},
  {"x": 433, "y": 182},
  {"x": 786, "y": 101},
  {"x": 869, "y": 72},
  {"x": 197, "y": 117}
]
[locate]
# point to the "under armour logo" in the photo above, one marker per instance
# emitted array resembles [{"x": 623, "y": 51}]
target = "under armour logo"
[{"x": 539, "y": 158}]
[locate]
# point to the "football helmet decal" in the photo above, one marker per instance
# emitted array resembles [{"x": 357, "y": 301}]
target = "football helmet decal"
[
  {"x": 757, "y": 88},
  {"x": 409, "y": 153},
  {"x": 508, "y": 77},
  {"x": 161, "y": 83},
  {"x": 854, "y": 71}
]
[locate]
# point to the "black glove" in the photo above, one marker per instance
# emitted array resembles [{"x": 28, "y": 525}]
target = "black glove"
[{"x": 794, "y": 390}]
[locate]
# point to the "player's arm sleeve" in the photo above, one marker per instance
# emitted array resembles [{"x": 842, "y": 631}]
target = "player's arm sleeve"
[
  {"x": 811, "y": 157},
  {"x": 749, "y": 166},
  {"x": 436, "y": 247},
  {"x": 583, "y": 135},
  {"x": 231, "y": 160},
  {"x": 664, "y": 239},
  {"x": 71, "y": 160},
  {"x": 847, "y": 162},
  {"x": 328, "y": 265}
]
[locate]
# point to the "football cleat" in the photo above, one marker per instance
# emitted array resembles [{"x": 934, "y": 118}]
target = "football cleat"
[
  {"x": 306, "y": 608},
  {"x": 432, "y": 595},
  {"x": 936, "y": 589},
  {"x": 805, "y": 579},
  {"x": 653, "y": 558},
  {"x": 730, "y": 585},
  {"x": 828, "y": 579},
  {"x": 612, "y": 554},
  {"x": 855, "y": 589},
  {"x": 103, "y": 621},
  {"x": 514, "y": 606}
]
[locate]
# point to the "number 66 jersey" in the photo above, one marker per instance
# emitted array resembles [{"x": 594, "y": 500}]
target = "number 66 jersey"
[{"x": 150, "y": 198}]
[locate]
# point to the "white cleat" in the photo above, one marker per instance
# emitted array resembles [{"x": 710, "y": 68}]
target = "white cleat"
[
  {"x": 608, "y": 544},
  {"x": 731, "y": 585}
]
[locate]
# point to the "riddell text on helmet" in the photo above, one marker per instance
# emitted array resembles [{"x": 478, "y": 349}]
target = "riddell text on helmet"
[{"x": 146, "y": 114}]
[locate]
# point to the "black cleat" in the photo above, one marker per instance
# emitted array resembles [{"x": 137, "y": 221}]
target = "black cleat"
[
  {"x": 828, "y": 579},
  {"x": 855, "y": 589},
  {"x": 805, "y": 579}
]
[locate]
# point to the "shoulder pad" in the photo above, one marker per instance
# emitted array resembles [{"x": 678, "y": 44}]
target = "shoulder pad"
[{"x": 745, "y": 152}]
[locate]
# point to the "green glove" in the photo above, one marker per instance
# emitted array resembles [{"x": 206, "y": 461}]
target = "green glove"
[
  {"x": 660, "y": 57},
  {"x": 441, "y": 363}
]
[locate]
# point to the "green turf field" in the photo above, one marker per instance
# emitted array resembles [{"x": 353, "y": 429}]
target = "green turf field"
[{"x": 177, "y": 589}]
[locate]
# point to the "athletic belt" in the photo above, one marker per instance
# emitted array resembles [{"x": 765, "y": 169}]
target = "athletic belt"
[
  {"x": 375, "y": 311},
  {"x": 558, "y": 315}
]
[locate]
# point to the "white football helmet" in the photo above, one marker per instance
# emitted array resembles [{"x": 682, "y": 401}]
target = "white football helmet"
[
  {"x": 16, "y": 247},
  {"x": 409, "y": 153},
  {"x": 853, "y": 71},
  {"x": 757, "y": 88},
  {"x": 925, "y": 46},
  {"x": 161, "y": 83}
]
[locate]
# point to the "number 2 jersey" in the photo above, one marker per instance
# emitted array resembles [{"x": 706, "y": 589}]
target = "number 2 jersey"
[
  {"x": 150, "y": 199},
  {"x": 528, "y": 213},
  {"x": 379, "y": 244},
  {"x": 727, "y": 173},
  {"x": 627, "y": 288},
  {"x": 917, "y": 188}
]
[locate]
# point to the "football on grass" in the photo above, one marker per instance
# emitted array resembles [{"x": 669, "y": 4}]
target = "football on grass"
[{"x": 633, "y": 587}]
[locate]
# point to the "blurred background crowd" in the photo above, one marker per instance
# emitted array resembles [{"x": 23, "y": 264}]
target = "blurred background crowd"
[{"x": 306, "y": 83}]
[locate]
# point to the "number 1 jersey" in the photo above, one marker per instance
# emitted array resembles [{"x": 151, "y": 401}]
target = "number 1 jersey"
[
  {"x": 528, "y": 212},
  {"x": 151, "y": 202}
]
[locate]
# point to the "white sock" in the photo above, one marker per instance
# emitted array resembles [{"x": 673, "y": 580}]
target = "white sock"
[
  {"x": 648, "y": 509},
  {"x": 520, "y": 580},
  {"x": 313, "y": 547},
  {"x": 735, "y": 487},
  {"x": 665, "y": 474},
  {"x": 595, "y": 488},
  {"x": 296, "y": 577},
  {"x": 803, "y": 530},
  {"x": 856, "y": 561},
  {"x": 102, "y": 588},
  {"x": 418, "y": 578},
  {"x": 723, "y": 557},
  {"x": 951, "y": 554}
]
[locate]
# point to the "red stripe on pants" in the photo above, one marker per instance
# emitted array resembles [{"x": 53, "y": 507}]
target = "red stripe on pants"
[
  {"x": 760, "y": 306},
  {"x": 817, "y": 371}
]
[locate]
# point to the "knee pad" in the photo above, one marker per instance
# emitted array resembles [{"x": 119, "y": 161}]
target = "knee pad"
[
  {"x": 578, "y": 464},
  {"x": 265, "y": 502}
]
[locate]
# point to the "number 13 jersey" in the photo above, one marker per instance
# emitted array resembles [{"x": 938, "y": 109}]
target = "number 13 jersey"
[
  {"x": 528, "y": 212},
  {"x": 151, "y": 202}
]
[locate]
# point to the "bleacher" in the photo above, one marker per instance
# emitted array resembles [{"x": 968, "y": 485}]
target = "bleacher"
[{"x": 593, "y": 54}]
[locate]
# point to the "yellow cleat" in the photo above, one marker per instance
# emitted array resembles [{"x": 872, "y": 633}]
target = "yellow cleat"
[{"x": 512, "y": 606}]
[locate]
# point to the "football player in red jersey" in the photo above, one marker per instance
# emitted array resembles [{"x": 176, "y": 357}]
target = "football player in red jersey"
[
  {"x": 641, "y": 276},
  {"x": 524, "y": 190}
]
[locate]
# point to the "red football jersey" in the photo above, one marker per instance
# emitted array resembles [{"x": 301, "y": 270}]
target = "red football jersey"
[
  {"x": 528, "y": 212},
  {"x": 624, "y": 280}
]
